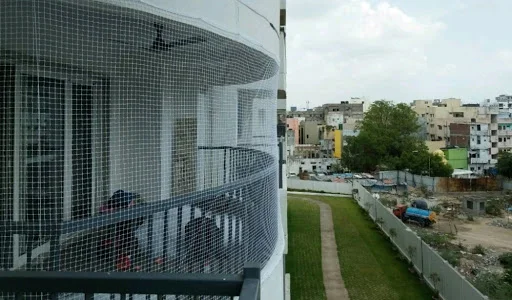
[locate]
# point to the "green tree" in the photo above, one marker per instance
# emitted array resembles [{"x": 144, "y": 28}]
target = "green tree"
[
  {"x": 439, "y": 167},
  {"x": 505, "y": 164},
  {"x": 387, "y": 139}
]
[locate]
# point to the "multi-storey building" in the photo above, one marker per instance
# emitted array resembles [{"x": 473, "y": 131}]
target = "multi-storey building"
[
  {"x": 344, "y": 116},
  {"x": 481, "y": 145},
  {"x": 437, "y": 115},
  {"x": 155, "y": 113},
  {"x": 505, "y": 134},
  {"x": 504, "y": 105}
]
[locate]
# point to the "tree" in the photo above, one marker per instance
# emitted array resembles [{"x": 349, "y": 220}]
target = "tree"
[
  {"x": 505, "y": 164},
  {"x": 387, "y": 138},
  {"x": 439, "y": 167}
]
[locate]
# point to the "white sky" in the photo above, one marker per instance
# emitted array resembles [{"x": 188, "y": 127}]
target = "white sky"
[{"x": 397, "y": 50}]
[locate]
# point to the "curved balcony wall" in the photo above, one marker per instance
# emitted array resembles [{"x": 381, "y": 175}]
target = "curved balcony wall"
[{"x": 146, "y": 97}]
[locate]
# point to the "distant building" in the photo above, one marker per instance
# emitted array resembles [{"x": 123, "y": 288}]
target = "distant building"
[
  {"x": 293, "y": 124},
  {"x": 338, "y": 143},
  {"x": 457, "y": 157},
  {"x": 437, "y": 115},
  {"x": 477, "y": 138}
]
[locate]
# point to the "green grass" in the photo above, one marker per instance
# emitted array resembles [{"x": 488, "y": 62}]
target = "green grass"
[
  {"x": 370, "y": 267},
  {"x": 304, "y": 259}
]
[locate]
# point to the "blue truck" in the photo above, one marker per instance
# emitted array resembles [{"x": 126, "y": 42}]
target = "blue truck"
[{"x": 423, "y": 217}]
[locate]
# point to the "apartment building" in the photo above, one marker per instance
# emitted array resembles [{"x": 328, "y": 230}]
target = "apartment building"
[
  {"x": 107, "y": 102},
  {"x": 292, "y": 124},
  {"x": 437, "y": 115},
  {"x": 505, "y": 134},
  {"x": 503, "y": 103},
  {"x": 479, "y": 140}
]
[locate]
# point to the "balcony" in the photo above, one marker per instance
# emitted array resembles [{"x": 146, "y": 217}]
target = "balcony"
[
  {"x": 148, "y": 102},
  {"x": 76, "y": 268},
  {"x": 90, "y": 284},
  {"x": 480, "y": 160},
  {"x": 505, "y": 133}
]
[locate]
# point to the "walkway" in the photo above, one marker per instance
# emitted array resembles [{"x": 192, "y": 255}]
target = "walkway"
[{"x": 333, "y": 283}]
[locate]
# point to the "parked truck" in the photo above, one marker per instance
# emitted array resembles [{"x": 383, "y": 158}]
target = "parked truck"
[{"x": 423, "y": 217}]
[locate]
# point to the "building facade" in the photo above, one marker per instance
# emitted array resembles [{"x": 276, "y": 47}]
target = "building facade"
[
  {"x": 173, "y": 102},
  {"x": 457, "y": 157},
  {"x": 478, "y": 139},
  {"x": 437, "y": 115}
]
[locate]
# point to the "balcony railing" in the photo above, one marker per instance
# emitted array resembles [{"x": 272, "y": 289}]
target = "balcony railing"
[
  {"x": 243, "y": 174},
  {"x": 51, "y": 284}
]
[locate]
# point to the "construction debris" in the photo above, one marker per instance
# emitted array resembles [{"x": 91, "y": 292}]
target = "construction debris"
[{"x": 501, "y": 223}]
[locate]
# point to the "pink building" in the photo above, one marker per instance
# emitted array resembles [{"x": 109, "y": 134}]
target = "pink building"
[{"x": 293, "y": 124}]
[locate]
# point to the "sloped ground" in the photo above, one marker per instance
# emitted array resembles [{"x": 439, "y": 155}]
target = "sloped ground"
[{"x": 370, "y": 268}]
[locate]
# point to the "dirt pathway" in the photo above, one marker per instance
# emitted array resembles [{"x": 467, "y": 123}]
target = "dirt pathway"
[{"x": 333, "y": 283}]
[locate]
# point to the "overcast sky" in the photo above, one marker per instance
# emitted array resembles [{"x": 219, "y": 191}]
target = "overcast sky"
[{"x": 397, "y": 50}]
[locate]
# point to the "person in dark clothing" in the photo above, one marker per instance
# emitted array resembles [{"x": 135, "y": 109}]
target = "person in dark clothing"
[
  {"x": 203, "y": 240},
  {"x": 124, "y": 241}
]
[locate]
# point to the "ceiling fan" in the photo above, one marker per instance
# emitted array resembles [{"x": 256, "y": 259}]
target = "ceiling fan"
[{"x": 160, "y": 45}]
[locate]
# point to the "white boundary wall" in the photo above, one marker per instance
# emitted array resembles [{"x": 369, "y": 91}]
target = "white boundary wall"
[
  {"x": 452, "y": 285},
  {"x": 321, "y": 186}
]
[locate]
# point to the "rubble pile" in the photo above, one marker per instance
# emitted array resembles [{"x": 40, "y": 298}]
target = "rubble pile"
[{"x": 501, "y": 223}]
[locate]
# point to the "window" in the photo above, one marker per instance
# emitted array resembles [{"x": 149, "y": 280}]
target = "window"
[
  {"x": 478, "y": 127},
  {"x": 61, "y": 167},
  {"x": 473, "y": 120},
  {"x": 439, "y": 127},
  {"x": 469, "y": 204}
]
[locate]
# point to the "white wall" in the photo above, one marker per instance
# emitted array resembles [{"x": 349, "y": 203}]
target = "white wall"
[
  {"x": 244, "y": 19},
  {"x": 334, "y": 118},
  {"x": 344, "y": 188},
  {"x": 272, "y": 288},
  {"x": 307, "y": 164}
]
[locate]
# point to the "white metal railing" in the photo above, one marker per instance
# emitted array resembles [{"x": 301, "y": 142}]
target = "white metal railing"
[{"x": 452, "y": 285}]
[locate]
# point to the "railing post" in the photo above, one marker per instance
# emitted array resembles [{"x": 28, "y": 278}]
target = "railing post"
[{"x": 251, "y": 287}]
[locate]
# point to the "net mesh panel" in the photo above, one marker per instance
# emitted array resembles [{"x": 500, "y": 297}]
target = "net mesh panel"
[{"x": 151, "y": 143}]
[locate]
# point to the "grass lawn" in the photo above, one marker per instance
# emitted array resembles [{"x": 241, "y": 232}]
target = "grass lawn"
[
  {"x": 304, "y": 259},
  {"x": 369, "y": 267}
]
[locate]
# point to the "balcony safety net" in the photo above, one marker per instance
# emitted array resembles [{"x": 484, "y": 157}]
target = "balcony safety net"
[{"x": 133, "y": 139}]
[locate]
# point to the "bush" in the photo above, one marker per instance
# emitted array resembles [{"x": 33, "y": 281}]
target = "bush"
[
  {"x": 436, "y": 209},
  {"x": 451, "y": 256},
  {"x": 478, "y": 249},
  {"x": 494, "y": 207},
  {"x": 436, "y": 239},
  {"x": 493, "y": 285},
  {"x": 391, "y": 203},
  {"x": 506, "y": 260},
  {"x": 471, "y": 218}
]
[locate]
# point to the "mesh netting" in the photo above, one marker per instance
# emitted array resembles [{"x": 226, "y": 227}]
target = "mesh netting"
[{"x": 131, "y": 141}]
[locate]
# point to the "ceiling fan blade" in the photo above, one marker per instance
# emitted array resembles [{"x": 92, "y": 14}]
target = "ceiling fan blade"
[{"x": 186, "y": 41}]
